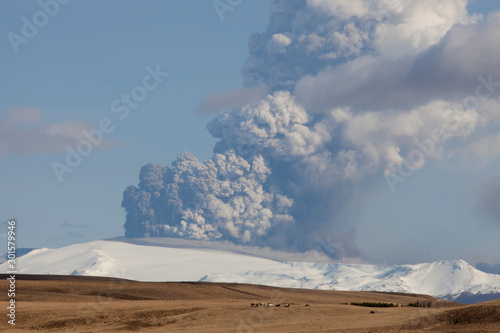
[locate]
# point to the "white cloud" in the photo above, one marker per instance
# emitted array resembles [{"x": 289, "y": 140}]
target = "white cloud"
[
  {"x": 448, "y": 70},
  {"x": 418, "y": 25},
  {"x": 278, "y": 43},
  {"x": 386, "y": 139}
]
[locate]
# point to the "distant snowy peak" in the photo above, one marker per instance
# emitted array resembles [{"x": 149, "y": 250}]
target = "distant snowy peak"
[
  {"x": 449, "y": 279},
  {"x": 444, "y": 279}
]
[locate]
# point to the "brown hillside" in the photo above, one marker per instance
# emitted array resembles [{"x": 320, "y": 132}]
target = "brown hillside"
[{"x": 88, "y": 304}]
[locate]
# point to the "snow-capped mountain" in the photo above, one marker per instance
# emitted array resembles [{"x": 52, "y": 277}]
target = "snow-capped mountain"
[{"x": 452, "y": 279}]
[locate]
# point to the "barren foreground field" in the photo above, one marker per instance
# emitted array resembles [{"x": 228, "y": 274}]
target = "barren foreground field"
[{"x": 91, "y": 304}]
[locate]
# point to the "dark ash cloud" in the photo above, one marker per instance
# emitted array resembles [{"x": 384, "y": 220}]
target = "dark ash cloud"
[
  {"x": 286, "y": 176},
  {"x": 265, "y": 185}
]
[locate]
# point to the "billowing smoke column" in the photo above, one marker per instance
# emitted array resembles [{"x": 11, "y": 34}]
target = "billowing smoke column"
[
  {"x": 282, "y": 176},
  {"x": 246, "y": 191},
  {"x": 223, "y": 197}
]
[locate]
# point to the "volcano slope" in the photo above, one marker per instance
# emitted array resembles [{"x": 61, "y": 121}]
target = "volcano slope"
[{"x": 97, "y": 304}]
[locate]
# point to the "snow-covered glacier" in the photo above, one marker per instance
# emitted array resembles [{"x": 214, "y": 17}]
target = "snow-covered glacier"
[{"x": 447, "y": 279}]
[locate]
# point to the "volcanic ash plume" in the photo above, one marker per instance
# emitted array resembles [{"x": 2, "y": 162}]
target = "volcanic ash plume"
[
  {"x": 352, "y": 96},
  {"x": 223, "y": 197},
  {"x": 246, "y": 191}
]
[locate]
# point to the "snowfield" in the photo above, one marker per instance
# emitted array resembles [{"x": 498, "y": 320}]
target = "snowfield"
[{"x": 444, "y": 279}]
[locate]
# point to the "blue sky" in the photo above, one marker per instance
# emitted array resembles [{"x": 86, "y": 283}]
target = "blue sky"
[
  {"x": 83, "y": 59},
  {"x": 90, "y": 53}
]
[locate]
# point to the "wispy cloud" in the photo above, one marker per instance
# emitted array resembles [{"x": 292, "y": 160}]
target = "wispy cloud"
[
  {"x": 23, "y": 131},
  {"x": 234, "y": 98}
]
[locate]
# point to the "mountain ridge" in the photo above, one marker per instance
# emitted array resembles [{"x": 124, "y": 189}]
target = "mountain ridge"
[{"x": 446, "y": 279}]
